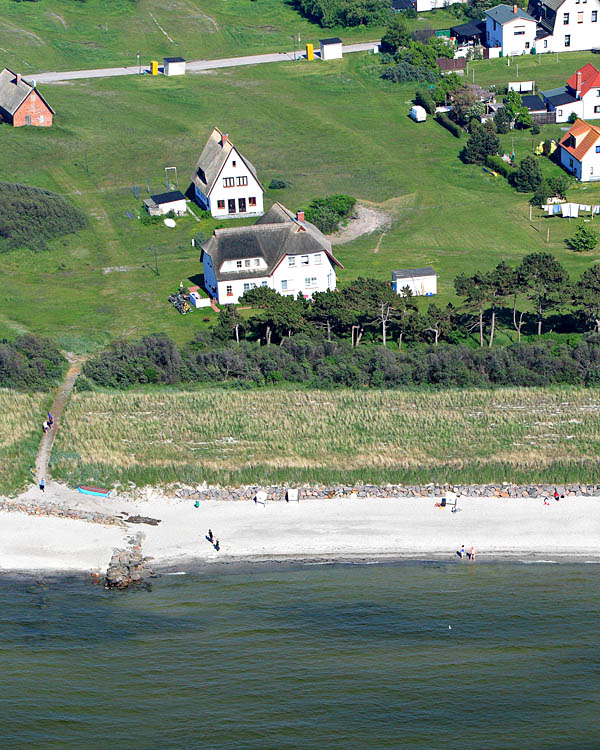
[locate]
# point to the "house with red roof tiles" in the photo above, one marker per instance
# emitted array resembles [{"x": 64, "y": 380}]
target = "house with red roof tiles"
[
  {"x": 580, "y": 151},
  {"x": 581, "y": 96}
]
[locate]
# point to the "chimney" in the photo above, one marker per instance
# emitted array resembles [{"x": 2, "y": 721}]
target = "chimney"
[
  {"x": 18, "y": 81},
  {"x": 515, "y": 8},
  {"x": 300, "y": 216},
  {"x": 578, "y": 84},
  {"x": 224, "y": 139}
]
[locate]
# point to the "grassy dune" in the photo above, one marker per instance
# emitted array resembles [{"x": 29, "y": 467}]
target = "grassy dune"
[
  {"x": 21, "y": 417},
  {"x": 339, "y": 436}
]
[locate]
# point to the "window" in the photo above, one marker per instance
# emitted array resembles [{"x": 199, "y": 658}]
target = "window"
[
  {"x": 246, "y": 287},
  {"x": 238, "y": 264},
  {"x": 263, "y": 283},
  {"x": 228, "y": 181},
  {"x": 560, "y": 112},
  {"x": 568, "y": 40},
  {"x": 242, "y": 180},
  {"x": 252, "y": 201},
  {"x": 596, "y": 109},
  {"x": 291, "y": 260},
  {"x": 27, "y": 119},
  {"x": 494, "y": 26},
  {"x": 220, "y": 204},
  {"x": 242, "y": 205},
  {"x": 247, "y": 264},
  {"x": 318, "y": 258},
  {"x": 310, "y": 281},
  {"x": 41, "y": 118},
  {"x": 234, "y": 163},
  {"x": 580, "y": 16},
  {"x": 594, "y": 16},
  {"x": 230, "y": 291},
  {"x": 598, "y": 149},
  {"x": 545, "y": 43},
  {"x": 566, "y": 19},
  {"x": 519, "y": 31},
  {"x": 526, "y": 45},
  {"x": 597, "y": 92},
  {"x": 304, "y": 260},
  {"x": 257, "y": 261},
  {"x": 283, "y": 285},
  {"x": 571, "y": 163},
  {"x": 231, "y": 206}
]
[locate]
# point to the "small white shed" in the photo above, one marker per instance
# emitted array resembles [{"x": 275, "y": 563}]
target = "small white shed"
[
  {"x": 422, "y": 282},
  {"x": 331, "y": 49},
  {"x": 174, "y": 66},
  {"x": 163, "y": 203},
  {"x": 418, "y": 113}
]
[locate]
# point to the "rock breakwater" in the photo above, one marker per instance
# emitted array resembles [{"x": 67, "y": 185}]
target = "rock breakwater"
[
  {"x": 58, "y": 511},
  {"x": 126, "y": 566},
  {"x": 277, "y": 493}
]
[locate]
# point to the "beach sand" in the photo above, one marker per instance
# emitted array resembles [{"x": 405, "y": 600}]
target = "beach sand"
[{"x": 375, "y": 528}]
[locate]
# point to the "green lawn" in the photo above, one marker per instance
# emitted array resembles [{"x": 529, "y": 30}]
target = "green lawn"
[{"x": 326, "y": 128}]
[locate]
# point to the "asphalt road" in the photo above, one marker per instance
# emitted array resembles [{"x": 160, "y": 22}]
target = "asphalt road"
[{"x": 194, "y": 65}]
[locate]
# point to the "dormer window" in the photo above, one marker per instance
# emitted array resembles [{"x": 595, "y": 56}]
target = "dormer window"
[
  {"x": 238, "y": 264},
  {"x": 304, "y": 260},
  {"x": 318, "y": 258},
  {"x": 257, "y": 261},
  {"x": 247, "y": 263},
  {"x": 291, "y": 260}
]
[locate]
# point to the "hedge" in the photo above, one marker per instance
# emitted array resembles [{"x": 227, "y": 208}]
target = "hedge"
[
  {"x": 499, "y": 165},
  {"x": 449, "y": 124}
]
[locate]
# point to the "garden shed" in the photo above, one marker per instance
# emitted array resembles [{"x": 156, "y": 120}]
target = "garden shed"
[
  {"x": 174, "y": 66},
  {"x": 164, "y": 203},
  {"x": 331, "y": 49},
  {"x": 422, "y": 282}
]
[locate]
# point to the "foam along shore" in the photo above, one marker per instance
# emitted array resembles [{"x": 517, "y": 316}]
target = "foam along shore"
[{"x": 313, "y": 528}]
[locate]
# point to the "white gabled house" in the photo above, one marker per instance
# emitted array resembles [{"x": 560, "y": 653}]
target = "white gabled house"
[
  {"x": 225, "y": 183},
  {"x": 281, "y": 251},
  {"x": 566, "y": 25},
  {"x": 580, "y": 151},
  {"x": 581, "y": 95},
  {"x": 510, "y": 28}
]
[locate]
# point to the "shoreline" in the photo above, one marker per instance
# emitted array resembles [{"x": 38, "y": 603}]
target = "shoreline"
[{"x": 315, "y": 531}]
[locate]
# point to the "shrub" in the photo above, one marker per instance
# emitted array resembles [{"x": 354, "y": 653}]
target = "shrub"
[
  {"x": 449, "y": 124},
  {"x": 30, "y": 362},
  {"x": 528, "y": 177},
  {"x": 584, "y": 239},
  {"x": 327, "y": 213},
  {"x": 405, "y": 71},
  {"x": 480, "y": 145},
  {"x": 499, "y": 165},
  {"x": 30, "y": 217},
  {"x": 572, "y": 118},
  {"x": 328, "y": 13},
  {"x": 424, "y": 99},
  {"x": 279, "y": 184}
]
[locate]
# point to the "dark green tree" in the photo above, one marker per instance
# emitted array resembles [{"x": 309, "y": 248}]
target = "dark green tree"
[
  {"x": 397, "y": 35},
  {"x": 524, "y": 120},
  {"x": 501, "y": 284},
  {"x": 584, "y": 239},
  {"x": 546, "y": 282},
  {"x": 229, "y": 324},
  {"x": 502, "y": 119},
  {"x": 528, "y": 177},
  {"x": 329, "y": 311},
  {"x": 586, "y": 296},
  {"x": 480, "y": 144},
  {"x": 513, "y": 104},
  {"x": 437, "y": 320},
  {"x": 476, "y": 290}
]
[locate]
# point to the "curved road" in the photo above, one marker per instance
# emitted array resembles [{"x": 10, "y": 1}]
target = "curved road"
[{"x": 193, "y": 66}]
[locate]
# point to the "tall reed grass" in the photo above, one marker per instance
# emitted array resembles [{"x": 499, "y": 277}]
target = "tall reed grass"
[
  {"x": 21, "y": 418},
  {"x": 344, "y": 436}
]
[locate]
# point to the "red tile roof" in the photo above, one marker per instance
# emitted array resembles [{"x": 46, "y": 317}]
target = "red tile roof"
[
  {"x": 586, "y": 136},
  {"x": 590, "y": 77}
]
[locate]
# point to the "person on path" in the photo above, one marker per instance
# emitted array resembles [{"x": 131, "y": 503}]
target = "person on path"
[
  {"x": 217, "y": 545},
  {"x": 556, "y": 495},
  {"x": 210, "y": 536},
  {"x": 50, "y": 420},
  {"x": 42, "y": 485},
  {"x": 45, "y": 426}
]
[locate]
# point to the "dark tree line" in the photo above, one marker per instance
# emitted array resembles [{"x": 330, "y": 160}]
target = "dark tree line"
[{"x": 30, "y": 362}]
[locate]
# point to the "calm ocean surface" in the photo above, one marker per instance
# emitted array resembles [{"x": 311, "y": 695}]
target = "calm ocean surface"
[{"x": 341, "y": 656}]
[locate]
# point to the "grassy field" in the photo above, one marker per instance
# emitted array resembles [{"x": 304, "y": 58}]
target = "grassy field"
[
  {"x": 20, "y": 433},
  {"x": 334, "y": 128},
  {"x": 68, "y": 35},
  {"x": 231, "y": 437}
]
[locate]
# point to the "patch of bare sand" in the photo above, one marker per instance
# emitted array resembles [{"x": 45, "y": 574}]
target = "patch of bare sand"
[{"x": 367, "y": 218}]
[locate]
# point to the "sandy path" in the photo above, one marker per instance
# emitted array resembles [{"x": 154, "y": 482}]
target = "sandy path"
[
  {"x": 60, "y": 401},
  {"x": 369, "y": 219}
]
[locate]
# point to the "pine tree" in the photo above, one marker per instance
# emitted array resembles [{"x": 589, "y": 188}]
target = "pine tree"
[{"x": 528, "y": 176}]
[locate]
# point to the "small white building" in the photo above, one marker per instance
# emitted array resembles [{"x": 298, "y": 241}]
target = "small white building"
[
  {"x": 580, "y": 151},
  {"x": 174, "y": 66},
  {"x": 225, "y": 182},
  {"x": 164, "y": 203},
  {"x": 331, "y": 49},
  {"x": 422, "y": 282},
  {"x": 418, "y": 113},
  {"x": 581, "y": 96},
  {"x": 511, "y": 29},
  {"x": 281, "y": 251}
]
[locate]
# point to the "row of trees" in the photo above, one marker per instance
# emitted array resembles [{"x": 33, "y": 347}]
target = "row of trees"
[
  {"x": 30, "y": 362},
  {"x": 329, "y": 13}
]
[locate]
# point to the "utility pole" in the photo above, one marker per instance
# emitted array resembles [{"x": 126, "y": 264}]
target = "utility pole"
[
  {"x": 294, "y": 38},
  {"x": 139, "y": 61},
  {"x": 86, "y": 163}
]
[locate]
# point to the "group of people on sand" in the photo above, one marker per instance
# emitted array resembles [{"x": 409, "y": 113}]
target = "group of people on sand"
[
  {"x": 471, "y": 554},
  {"x": 215, "y": 542}
]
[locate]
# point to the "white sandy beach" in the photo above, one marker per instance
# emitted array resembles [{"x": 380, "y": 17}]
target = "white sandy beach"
[{"x": 332, "y": 528}]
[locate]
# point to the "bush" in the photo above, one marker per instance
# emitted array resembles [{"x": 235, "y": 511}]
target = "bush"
[
  {"x": 327, "y": 213},
  {"x": 279, "y": 184},
  {"x": 424, "y": 99},
  {"x": 499, "y": 165},
  {"x": 584, "y": 239},
  {"x": 328, "y": 13},
  {"x": 480, "y": 145},
  {"x": 30, "y": 217},
  {"x": 30, "y": 362},
  {"x": 405, "y": 71},
  {"x": 449, "y": 124},
  {"x": 528, "y": 177}
]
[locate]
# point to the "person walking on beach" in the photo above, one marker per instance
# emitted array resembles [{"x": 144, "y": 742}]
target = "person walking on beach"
[
  {"x": 556, "y": 495},
  {"x": 462, "y": 551},
  {"x": 472, "y": 554},
  {"x": 217, "y": 545},
  {"x": 42, "y": 485},
  {"x": 210, "y": 536}
]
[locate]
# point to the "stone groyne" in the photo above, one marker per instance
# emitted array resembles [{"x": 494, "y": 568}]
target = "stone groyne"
[
  {"x": 59, "y": 511},
  {"x": 278, "y": 493},
  {"x": 126, "y": 566}
]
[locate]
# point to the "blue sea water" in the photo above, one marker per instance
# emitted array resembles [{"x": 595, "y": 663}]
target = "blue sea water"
[{"x": 410, "y": 655}]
